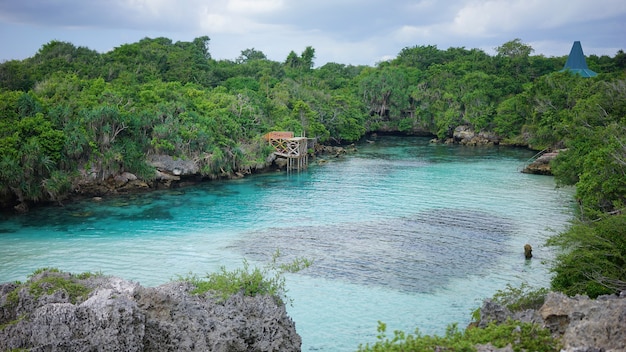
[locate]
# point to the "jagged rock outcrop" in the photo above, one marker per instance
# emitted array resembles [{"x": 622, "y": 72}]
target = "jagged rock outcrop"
[
  {"x": 169, "y": 168},
  {"x": 586, "y": 324},
  {"x": 465, "y": 135},
  {"x": 541, "y": 165},
  {"x": 581, "y": 323},
  {"x": 336, "y": 151},
  {"x": 111, "y": 314}
]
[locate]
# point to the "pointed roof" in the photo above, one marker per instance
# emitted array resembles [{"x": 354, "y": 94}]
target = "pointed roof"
[{"x": 576, "y": 62}]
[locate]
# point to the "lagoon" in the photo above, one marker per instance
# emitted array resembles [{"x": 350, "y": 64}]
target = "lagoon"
[{"x": 403, "y": 231}]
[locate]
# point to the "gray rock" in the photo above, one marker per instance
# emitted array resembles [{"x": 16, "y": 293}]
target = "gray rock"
[
  {"x": 490, "y": 348},
  {"x": 586, "y": 324},
  {"x": 467, "y": 136},
  {"x": 119, "y": 315},
  {"x": 124, "y": 178},
  {"x": 175, "y": 167},
  {"x": 582, "y": 324},
  {"x": 492, "y": 312},
  {"x": 541, "y": 165}
]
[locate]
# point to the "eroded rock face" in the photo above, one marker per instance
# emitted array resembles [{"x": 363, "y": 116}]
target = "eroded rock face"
[
  {"x": 541, "y": 166},
  {"x": 465, "y": 135},
  {"x": 582, "y": 324},
  {"x": 118, "y": 315},
  {"x": 170, "y": 168},
  {"x": 587, "y": 324}
]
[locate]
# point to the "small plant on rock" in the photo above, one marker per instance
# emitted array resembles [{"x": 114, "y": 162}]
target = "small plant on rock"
[
  {"x": 268, "y": 280},
  {"x": 521, "y": 298}
]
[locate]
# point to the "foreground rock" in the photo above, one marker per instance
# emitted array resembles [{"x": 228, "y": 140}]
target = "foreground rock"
[
  {"x": 581, "y": 323},
  {"x": 111, "y": 314}
]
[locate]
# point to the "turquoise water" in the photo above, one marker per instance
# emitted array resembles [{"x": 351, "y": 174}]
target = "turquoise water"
[{"x": 403, "y": 231}]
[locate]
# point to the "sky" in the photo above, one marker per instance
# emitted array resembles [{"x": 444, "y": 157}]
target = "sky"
[{"x": 351, "y": 32}]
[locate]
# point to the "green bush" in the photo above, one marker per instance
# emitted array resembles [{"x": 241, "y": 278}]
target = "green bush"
[
  {"x": 593, "y": 258},
  {"x": 13, "y": 297},
  {"x": 520, "y": 336},
  {"x": 520, "y": 298},
  {"x": 269, "y": 280}
]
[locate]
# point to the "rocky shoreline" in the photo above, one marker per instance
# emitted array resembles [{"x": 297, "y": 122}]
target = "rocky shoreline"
[
  {"x": 175, "y": 173},
  {"x": 580, "y": 323},
  {"x": 170, "y": 173},
  {"x": 56, "y": 311}
]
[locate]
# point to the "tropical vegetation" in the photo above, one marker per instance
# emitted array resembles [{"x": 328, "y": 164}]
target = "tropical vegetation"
[
  {"x": 69, "y": 113},
  {"x": 512, "y": 334}
]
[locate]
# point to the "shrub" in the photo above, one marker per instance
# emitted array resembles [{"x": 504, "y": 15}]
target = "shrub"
[
  {"x": 517, "y": 299},
  {"x": 520, "y": 298},
  {"x": 269, "y": 280},
  {"x": 520, "y": 336},
  {"x": 593, "y": 258}
]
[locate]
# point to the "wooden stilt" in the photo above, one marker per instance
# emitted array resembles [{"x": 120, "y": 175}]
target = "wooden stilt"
[{"x": 290, "y": 147}]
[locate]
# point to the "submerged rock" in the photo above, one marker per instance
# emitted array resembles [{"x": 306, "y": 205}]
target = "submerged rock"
[{"x": 112, "y": 314}]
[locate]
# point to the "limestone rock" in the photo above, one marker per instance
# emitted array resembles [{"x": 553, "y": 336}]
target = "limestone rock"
[
  {"x": 119, "y": 315},
  {"x": 175, "y": 167},
  {"x": 463, "y": 133},
  {"x": 124, "y": 178},
  {"x": 541, "y": 165},
  {"x": 587, "y": 324},
  {"x": 490, "y": 348},
  {"x": 467, "y": 136},
  {"x": 582, "y": 324}
]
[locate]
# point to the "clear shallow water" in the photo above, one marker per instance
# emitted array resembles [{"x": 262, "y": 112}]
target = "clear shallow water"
[{"x": 405, "y": 232}]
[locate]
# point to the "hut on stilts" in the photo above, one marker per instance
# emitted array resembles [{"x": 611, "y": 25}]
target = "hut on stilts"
[{"x": 294, "y": 149}]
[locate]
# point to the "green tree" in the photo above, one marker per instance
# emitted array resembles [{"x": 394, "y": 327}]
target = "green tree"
[
  {"x": 593, "y": 261},
  {"x": 307, "y": 57},
  {"x": 15, "y": 75},
  {"x": 515, "y": 49},
  {"x": 514, "y": 56},
  {"x": 252, "y": 54}
]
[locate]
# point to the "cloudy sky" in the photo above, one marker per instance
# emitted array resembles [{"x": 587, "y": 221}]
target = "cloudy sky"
[{"x": 343, "y": 31}]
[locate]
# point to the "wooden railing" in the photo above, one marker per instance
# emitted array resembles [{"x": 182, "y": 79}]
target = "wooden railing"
[{"x": 290, "y": 147}]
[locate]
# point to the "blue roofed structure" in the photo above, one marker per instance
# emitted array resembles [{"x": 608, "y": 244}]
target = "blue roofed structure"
[{"x": 576, "y": 62}]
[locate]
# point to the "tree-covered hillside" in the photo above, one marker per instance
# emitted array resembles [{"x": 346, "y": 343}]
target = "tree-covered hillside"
[{"x": 69, "y": 111}]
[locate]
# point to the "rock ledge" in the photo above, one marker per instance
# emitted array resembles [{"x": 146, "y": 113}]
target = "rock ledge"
[
  {"x": 582, "y": 324},
  {"x": 118, "y": 315}
]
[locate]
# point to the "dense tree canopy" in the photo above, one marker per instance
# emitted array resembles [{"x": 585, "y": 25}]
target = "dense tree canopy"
[{"x": 70, "y": 111}]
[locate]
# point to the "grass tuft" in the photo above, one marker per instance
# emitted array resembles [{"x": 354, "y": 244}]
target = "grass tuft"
[{"x": 252, "y": 281}]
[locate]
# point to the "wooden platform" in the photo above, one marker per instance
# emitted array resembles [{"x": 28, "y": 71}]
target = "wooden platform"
[{"x": 290, "y": 147}]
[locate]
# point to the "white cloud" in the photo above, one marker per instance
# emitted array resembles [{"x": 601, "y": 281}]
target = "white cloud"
[
  {"x": 254, "y": 6},
  {"x": 344, "y": 31},
  {"x": 485, "y": 18},
  {"x": 413, "y": 33}
]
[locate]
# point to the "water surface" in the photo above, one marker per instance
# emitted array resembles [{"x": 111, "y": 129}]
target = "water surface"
[{"x": 403, "y": 231}]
